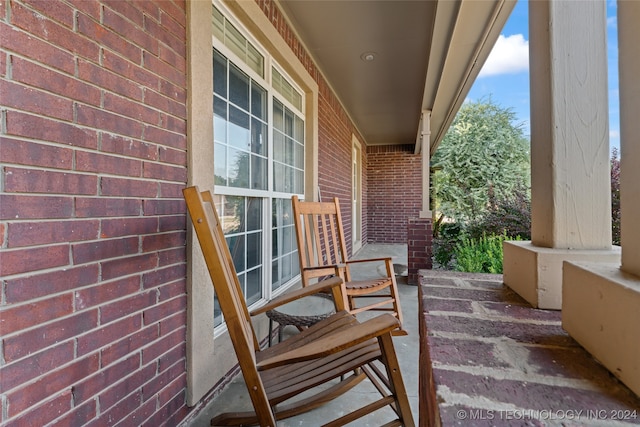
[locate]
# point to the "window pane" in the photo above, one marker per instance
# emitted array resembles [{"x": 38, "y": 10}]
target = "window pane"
[
  {"x": 258, "y": 173},
  {"x": 239, "y": 135},
  {"x": 298, "y": 134},
  {"x": 278, "y": 115},
  {"x": 278, "y": 177},
  {"x": 299, "y": 156},
  {"x": 254, "y": 214},
  {"x": 284, "y": 248},
  {"x": 217, "y": 313},
  {"x": 237, "y": 249},
  {"x": 275, "y": 243},
  {"x": 238, "y": 168},
  {"x": 254, "y": 250},
  {"x": 287, "y": 239},
  {"x": 220, "y": 164},
  {"x": 286, "y": 266},
  {"x": 275, "y": 275},
  {"x": 278, "y": 146},
  {"x": 254, "y": 286},
  {"x": 258, "y": 101},
  {"x": 232, "y": 214},
  {"x": 289, "y": 179},
  {"x": 219, "y": 74},
  {"x": 299, "y": 186},
  {"x": 289, "y": 151},
  {"x": 234, "y": 40},
  {"x": 258, "y": 137},
  {"x": 288, "y": 122},
  {"x": 238, "y": 87},
  {"x": 218, "y": 24},
  {"x": 295, "y": 264},
  {"x": 219, "y": 120},
  {"x": 255, "y": 60}
]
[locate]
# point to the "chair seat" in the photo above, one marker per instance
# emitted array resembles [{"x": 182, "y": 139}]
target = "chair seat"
[
  {"x": 282, "y": 383},
  {"x": 369, "y": 285}
]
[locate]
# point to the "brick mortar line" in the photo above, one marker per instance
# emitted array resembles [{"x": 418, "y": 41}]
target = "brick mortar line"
[
  {"x": 515, "y": 375},
  {"x": 465, "y": 288},
  {"x": 495, "y": 340},
  {"x": 501, "y": 319}
]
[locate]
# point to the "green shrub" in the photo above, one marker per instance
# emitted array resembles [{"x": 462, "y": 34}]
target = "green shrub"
[
  {"x": 483, "y": 255},
  {"x": 445, "y": 239},
  {"x": 509, "y": 214}
]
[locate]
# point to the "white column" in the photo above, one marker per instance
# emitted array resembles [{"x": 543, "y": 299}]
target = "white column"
[
  {"x": 601, "y": 306},
  {"x": 425, "y": 136},
  {"x": 629, "y": 69},
  {"x": 570, "y": 184}
]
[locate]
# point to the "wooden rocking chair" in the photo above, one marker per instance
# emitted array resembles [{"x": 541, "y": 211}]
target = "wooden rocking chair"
[
  {"x": 326, "y": 351},
  {"x": 322, "y": 251}
]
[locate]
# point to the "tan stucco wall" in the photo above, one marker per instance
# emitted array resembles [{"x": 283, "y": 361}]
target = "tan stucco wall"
[{"x": 601, "y": 310}]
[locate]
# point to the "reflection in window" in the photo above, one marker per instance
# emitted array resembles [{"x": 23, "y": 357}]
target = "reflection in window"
[
  {"x": 288, "y": 150},
  {"x": 240, "y": 127},
  {"x": 284, "y": 249},
  {"x": 240, "y": 219}
]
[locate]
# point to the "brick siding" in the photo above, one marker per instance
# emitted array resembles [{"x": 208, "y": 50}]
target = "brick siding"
[
  {"x": 419, "y": 247},
  {"x": 92, "y": 221},
  {"x": 394, "y": 191}
]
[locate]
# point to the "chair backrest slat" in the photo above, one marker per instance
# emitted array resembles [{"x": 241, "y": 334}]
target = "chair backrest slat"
[{"x": 320, "y": 236}]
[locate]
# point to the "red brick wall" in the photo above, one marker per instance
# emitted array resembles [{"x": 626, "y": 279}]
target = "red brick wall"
[
  {"x": 394, "y": 193},
  {"x": 335, "y": 160},
  {"x": 419, "y": 247},
  {"x": 92, "y": 222}
]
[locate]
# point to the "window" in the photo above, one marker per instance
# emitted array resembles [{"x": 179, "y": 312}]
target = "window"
[{"x": 258, "y": 163}]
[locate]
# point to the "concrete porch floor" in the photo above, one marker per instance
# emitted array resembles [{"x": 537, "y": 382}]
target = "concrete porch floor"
[{"x": 236, "y": 398}]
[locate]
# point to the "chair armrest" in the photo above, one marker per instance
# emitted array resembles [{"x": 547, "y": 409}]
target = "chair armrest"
[
  {"x": 353, "y": 261},
  {"x": 334, "y": 342},
  {"x": 324, "y": 285},
  {"x": 322, "y": 267}
]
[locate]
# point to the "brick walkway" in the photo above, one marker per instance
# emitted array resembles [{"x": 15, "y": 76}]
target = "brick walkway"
[{"x": 495, "y": 361}]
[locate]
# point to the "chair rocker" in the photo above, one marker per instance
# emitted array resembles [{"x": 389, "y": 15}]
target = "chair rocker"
[
  {"x": 323, "y": 252},
  {"x": 320, "y": 355}
]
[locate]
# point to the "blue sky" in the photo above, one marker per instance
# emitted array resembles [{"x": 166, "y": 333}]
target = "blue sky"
[{"x": 505, "y": 75}]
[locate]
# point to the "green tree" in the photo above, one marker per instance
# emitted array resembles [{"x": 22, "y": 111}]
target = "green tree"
[
  {"x": 484, "y": 156},
  {"x": 615, "y": 196}
]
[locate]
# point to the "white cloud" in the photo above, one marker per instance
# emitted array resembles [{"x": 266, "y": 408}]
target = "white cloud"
[
  {"x": 510, "y": 55},
  {"x": 612, "y": 22}
]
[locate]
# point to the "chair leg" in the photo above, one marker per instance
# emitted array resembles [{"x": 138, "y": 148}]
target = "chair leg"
[{"x": 395, "y": 380}]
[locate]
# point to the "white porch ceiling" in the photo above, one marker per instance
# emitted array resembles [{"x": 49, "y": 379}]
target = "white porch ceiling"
[{"x": 427, "y": 53}]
